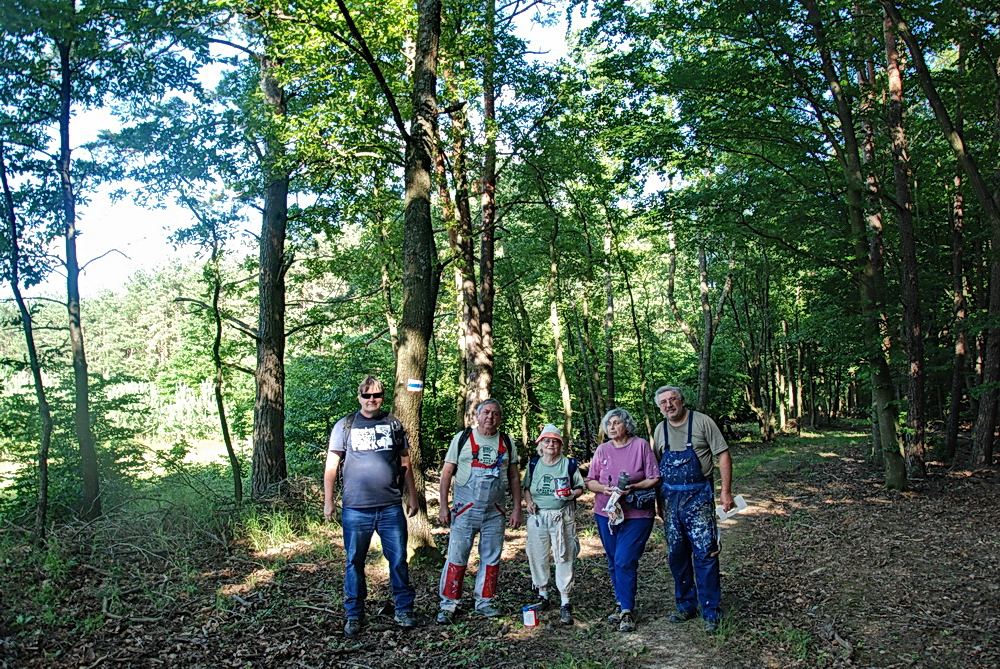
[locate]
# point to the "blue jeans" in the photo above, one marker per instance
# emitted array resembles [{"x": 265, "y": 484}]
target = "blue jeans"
[
  {"x": 623, "y": 550},
  {"x": 359, "y": 525}
]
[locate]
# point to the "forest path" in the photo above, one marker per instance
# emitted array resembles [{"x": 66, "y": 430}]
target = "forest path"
[{"x": 826, "y": 568}]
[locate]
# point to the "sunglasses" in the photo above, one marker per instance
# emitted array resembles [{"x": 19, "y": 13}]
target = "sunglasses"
[{"x": 368, "y": 396}]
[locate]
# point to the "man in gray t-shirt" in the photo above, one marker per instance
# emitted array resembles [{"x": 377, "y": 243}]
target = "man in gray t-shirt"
[{"x": 371, "y": 449}]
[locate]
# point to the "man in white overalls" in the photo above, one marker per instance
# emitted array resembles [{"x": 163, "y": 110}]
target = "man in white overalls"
[{"x": 483, "y": 463}]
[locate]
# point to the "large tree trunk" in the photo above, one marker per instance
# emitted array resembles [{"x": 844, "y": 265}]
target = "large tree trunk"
[
  {"x": 850, "y": 159},
  {"x": 912, "y": 315},
  {"x": 270, "y": 473},
  {"x": 90, "y": 506},
  {"x": 420, "y": 272},
  {"x": 983, "y": 432},
  {"x": 44, "y": 413},
  {"x": 958, "y": 375},
  {"x": 487, "y": 247}
]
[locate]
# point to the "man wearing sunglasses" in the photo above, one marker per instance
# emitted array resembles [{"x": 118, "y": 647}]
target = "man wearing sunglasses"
[{"x": 371, "y": 449}]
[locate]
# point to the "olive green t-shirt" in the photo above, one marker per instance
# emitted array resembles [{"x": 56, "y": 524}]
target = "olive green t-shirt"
[{"x": 706, "y": 439}]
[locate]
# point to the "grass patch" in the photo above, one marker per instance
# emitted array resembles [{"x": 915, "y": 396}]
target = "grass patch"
[{"x": 792, "y": 454}]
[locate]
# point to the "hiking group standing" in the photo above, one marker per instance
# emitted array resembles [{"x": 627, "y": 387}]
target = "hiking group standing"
[{"x": 631, "y": 479}]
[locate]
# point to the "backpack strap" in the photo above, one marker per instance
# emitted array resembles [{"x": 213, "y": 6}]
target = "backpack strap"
[
  {"x": 531, "y": 470},
  {"x": 348, "y": 424},
  {"x": 571, "y": 469},
  {"x": 466, "y": 433}
]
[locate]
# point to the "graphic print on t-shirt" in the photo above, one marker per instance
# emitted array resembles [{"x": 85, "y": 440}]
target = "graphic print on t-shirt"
[
  {"x": 545, "y": 486},
  {"x": 487, "y": 455},
  {"x": 374, "y": 438}
]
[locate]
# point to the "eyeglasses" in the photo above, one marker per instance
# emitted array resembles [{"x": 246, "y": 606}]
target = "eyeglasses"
[{"x": 368, "y": 396}]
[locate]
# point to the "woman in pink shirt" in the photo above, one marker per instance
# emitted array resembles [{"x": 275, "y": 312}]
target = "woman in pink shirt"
[{"x": 625, "y": 469}]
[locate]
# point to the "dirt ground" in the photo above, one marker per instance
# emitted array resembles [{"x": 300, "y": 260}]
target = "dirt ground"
[{"x": 826, "y": 568}]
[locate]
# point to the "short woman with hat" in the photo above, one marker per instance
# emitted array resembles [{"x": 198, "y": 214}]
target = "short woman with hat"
[{"x": 552, "y": 483}]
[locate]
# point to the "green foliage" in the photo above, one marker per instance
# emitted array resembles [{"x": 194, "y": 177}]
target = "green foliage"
[{"x": 118, "y": 422}]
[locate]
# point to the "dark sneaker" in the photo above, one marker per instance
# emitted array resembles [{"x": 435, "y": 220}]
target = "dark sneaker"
[
  {"x": 626, "y": 624},
  {"x": 711, "y": 625},
  {"x": 566, "y": 614},
  {"x": 445, "y": 617},
  {"x": 615, "y": 616},
  {"x": 488, "y": 611},
  {"x": 406, "y": 620},
  {"x": 542, "y": 603},
  {"x": 353, "y": 627},
  {"x": 681, "y": 616}
]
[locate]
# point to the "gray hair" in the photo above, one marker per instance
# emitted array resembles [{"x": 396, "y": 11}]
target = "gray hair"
[
  {"x": 625, "y": 417},
  {"x": 489, "y": 400},
  {"x": 667, "y": 389}
]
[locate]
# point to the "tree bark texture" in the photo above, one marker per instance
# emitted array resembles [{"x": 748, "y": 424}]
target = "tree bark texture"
[
  {"x": 850, "y": 158},
  {"x": 270, "y": 474},
  {"x": 487, "y": 247},
  {"x": 421, "y": 276},
  {"x": 983, "y": 432},
  {"x": 958, "y": 288},
  {"x": 912, "y": 315}
]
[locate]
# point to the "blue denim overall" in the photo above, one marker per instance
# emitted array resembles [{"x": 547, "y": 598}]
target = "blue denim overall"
[
  {"x": 477, "y": 508},
  {"x": 692, "y": 535}
]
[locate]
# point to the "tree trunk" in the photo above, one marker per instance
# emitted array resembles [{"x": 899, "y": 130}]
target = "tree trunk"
[
  {"x": 702, "y": 344},
  {"x": 522, "y": 328},
  {"x": 592, "y": 416},
  {"x": 609, "y": 324},
  {"x": 90, "y": 506},
  {"x": 850, "y": 159},
  {"x": 984, "y": 430},
  {"x": 270, "y": 474},
  {"x": 220, "y": 403},
  {"x": 487, "y": 248},
  {"x": 912, "y": 315},
  {"x": 44, "y": 412},
  {"x": 958, "y": 375},
  {"x": 553, "y": 292},
  {"x": 421, "y": 275},
  {"x": 643, "y": 381}
]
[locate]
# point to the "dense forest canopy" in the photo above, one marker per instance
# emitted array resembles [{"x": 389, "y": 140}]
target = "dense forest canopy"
[{"x": 790, "y": 209}]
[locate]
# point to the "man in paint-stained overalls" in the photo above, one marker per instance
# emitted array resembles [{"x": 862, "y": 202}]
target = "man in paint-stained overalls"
[
  {"x": 684, "y": 445},
  {"x": 482, "y": 461}
]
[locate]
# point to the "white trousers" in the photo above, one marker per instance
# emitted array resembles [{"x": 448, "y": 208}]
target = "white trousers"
[{"x": 552, "y": 531}]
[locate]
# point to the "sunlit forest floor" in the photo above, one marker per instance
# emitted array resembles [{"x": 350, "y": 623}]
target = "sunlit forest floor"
[{"x": 826, "y": 568}]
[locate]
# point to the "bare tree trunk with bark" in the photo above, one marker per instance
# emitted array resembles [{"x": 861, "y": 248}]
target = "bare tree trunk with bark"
[
  {"x": 984, "y": 431},
  {"x": 849, "y": 155},
  {"x": 269, "y": 476},
  {"x": 421, "y": 275},
  {"x": 958, "y": 287},
  {"x": 912, "y": 315},
  {"x": 90, "y": 507}
]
